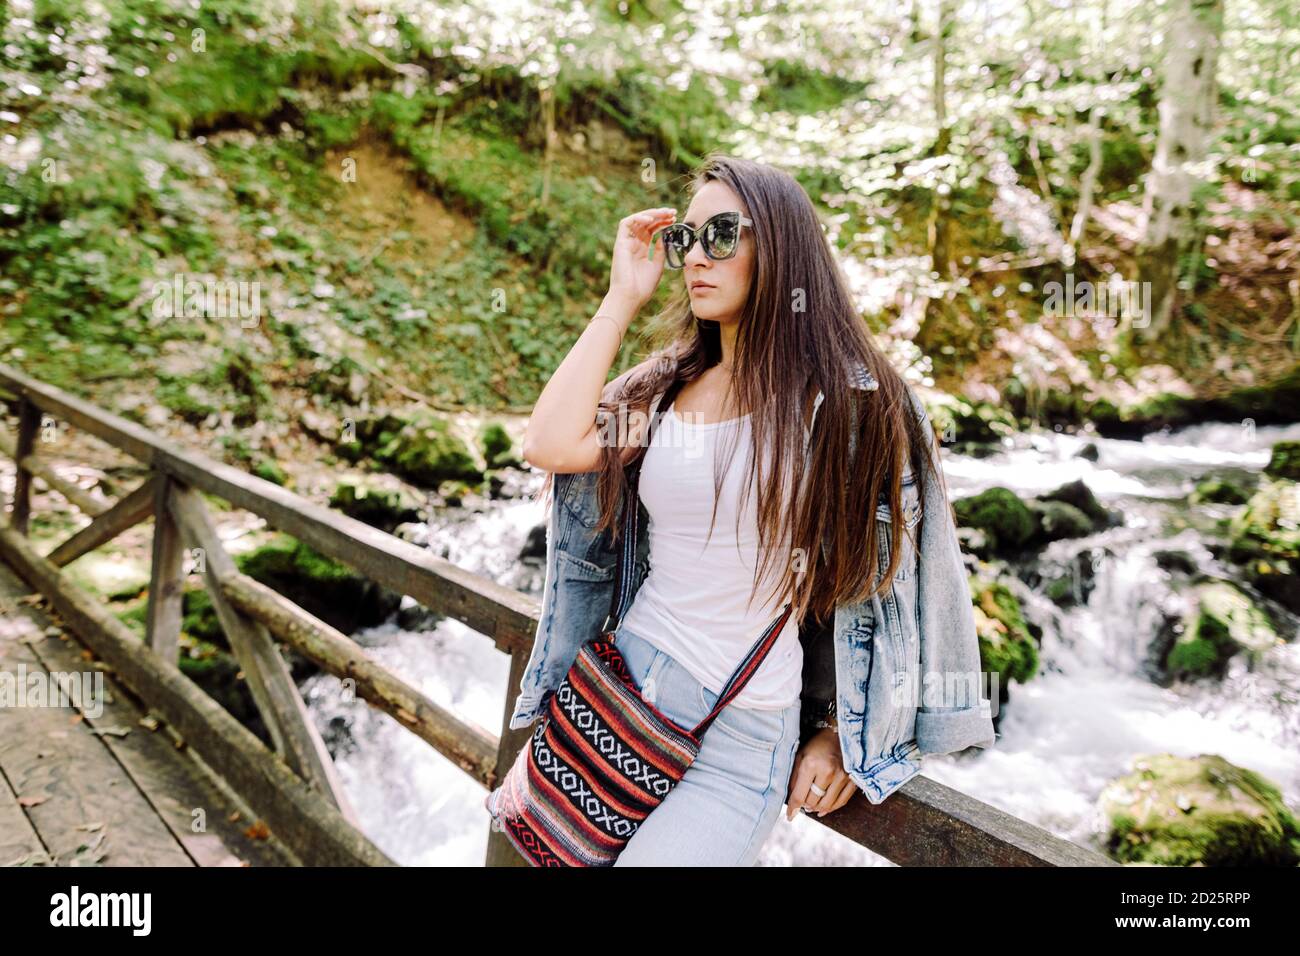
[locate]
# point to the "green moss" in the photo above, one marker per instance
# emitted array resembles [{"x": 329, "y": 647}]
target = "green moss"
[
  {"x": 1284, "y": 462},
  {"x": 1001, "y": 515},
  {"x": 497, "y": 446},
  {"x": 269, "y": 470},
  {"x": 1203, "y": 810},
  {"x": 1218, "y": 491},
  {"x": 1006, "y": 644},
  {"x": 368, "y": 500}
]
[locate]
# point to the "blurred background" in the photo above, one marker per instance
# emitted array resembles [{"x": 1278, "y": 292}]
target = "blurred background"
[{"x": 342, "y": 245}]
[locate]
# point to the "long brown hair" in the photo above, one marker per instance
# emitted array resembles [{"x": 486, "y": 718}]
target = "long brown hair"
[{"x": 782, "y": 356}]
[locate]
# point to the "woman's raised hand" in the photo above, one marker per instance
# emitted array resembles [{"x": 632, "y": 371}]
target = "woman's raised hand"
[{"x": 633, "y": 273}]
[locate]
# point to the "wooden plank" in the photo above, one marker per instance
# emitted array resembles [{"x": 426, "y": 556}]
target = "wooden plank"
[
  {"x": 126, "y": 513},
  {"x": 89, "y": 809},
  {"x": 163, "y": 615},
  {"x": 298, "y": 814},
  {"x": 281, "y": 706},
  {"x": 502, "y": 613},
  {"x": 19, "y": 843},
  {"x": 206, "y": 821},
  {"x": 469, "y": 746},
  {"x": 28, "y": 420}
]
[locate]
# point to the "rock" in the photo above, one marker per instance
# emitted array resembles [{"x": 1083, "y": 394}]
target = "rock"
[
  {"x": 1218, "y": 491},
  {"x": 964, "y": 422},
  {"x": 1202, "y": 810},
  {"x": 1272, "y": 403},
  {"x": 1007, "y": 644},
  {"x": 535, "y": 543},
  {"x": 1006, "y": 521},
  {"x": 379, "y": 501},
  {"x": 1090, "y": 451},
  {"x": 1265, "y": 541},
  {"x": 498, "y": 447},
  {"x": 1079, "y": 495},
  {"x": 1057, "y": 520},
  {"x": 1285, "y": 461},
  {"x": 1168, "y": 559},
  {"x": 1072, "y": 582},
  {"x": 1226, "y": 622},
  {"x": 323, "y": 587},
  {"x": 419, "y": 447},
  {"x": 413, "y": 616}
]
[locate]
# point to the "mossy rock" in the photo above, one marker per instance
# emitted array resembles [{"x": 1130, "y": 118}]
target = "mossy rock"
[
  {"x": 420, "y": 448},
  {"x": 1271, "y": 403},
  {"x": 110, "y": 575},
  {"x": 1006, "y": 521},
  {"x": 1202, "y": 810},
  {"x": 1265, "y": 541},
  {"x": 381, "y": 506},
  {"x": 454, "y": 493},
  {"x": 1078, "y": 495},
  {"x": 199, "y": 619},
  {"x": 1227, "y": 621},
  {"x": 1007, "y": 646},
  {"x": 965, "y": 422},
  {"x": 1285, "y": 461},
  {"x": 324, "y": 587},
  {"x": 217, "y": 673},
  {"x": 498, "y": 447},
  {"x": 1218, "y": 491},
  {"x": 1057, "y": 520}
]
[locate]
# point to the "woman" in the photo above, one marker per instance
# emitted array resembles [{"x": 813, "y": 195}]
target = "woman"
[{"x": 760, "y": 325}]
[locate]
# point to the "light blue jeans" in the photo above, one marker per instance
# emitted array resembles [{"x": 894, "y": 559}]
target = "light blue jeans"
[{"x": 725, "y": 806}]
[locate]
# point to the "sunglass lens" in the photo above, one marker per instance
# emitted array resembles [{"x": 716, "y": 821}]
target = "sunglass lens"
[
  {"x": 677, "y": 242},
  {"x": 720, "y": 235}
]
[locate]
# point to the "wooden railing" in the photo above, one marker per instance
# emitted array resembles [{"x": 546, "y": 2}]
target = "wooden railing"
[{"x": 296, "y": 789}]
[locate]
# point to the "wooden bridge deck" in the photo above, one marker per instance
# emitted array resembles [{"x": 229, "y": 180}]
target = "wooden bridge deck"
[{"x": 80, "y": 790}]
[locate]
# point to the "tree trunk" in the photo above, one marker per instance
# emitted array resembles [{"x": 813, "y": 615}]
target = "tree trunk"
[
  {"x": 938, "y": 231},
  {"x": 1186, "y": 115}
]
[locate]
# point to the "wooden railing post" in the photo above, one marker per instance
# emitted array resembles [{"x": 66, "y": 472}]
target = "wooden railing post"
[
  {"x": 277, "y": 698},
  {"x": 500, "y": 851},
  {"x": 163, "y": 622},
  {"x": 29, "y": 419}
]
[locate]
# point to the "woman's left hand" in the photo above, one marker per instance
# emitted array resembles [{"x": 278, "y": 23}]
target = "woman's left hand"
[{"x": 819, "y": 762}]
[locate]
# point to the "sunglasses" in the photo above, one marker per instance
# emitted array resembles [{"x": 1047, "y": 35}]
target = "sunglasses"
[{"x": 719, "y": 237}]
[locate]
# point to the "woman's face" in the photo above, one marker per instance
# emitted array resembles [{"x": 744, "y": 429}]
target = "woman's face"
[{"x": 718, "y": 290}]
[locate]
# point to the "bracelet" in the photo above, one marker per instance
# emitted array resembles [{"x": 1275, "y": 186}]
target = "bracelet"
[{"x": 616, "y": 325}]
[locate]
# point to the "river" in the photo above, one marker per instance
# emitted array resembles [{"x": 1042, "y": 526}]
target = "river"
[{"x": 1063, "y": 735}]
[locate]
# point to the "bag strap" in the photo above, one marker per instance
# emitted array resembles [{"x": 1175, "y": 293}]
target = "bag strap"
[{"x": 623, "y": 581}]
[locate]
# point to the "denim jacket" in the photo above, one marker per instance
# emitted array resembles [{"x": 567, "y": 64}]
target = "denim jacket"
[{"x": 903, "y": 668}]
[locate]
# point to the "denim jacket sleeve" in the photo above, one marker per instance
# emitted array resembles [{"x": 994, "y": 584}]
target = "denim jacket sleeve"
[{"x": 951, "y": 716}]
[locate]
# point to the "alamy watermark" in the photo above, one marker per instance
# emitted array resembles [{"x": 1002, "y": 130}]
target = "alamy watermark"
[
  {"x": 196, "y": 298},
  {"x": 81, "y": 690},
  {"x": 1114, "y": 298}
]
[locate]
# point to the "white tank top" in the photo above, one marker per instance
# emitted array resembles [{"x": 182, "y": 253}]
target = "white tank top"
[{"x": 692, "y": 604}]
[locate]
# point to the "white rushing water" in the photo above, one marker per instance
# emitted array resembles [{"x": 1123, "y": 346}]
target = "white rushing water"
[{"x": 1062, "y": 736}]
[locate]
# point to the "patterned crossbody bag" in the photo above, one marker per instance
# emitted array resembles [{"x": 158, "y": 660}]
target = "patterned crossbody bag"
[{"x": 603, "y": 757}]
